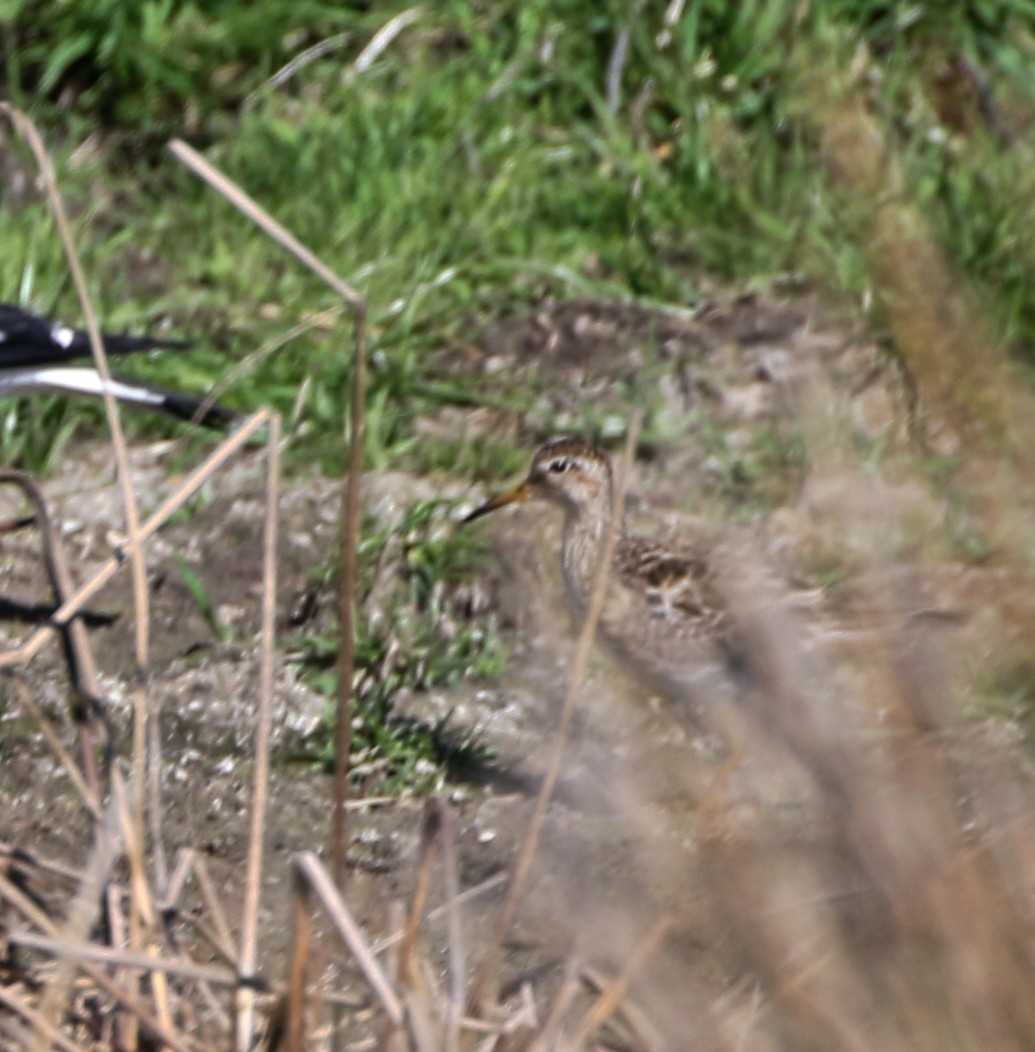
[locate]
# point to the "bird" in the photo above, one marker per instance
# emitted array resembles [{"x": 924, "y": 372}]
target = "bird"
[
  {"x": 35, "y": 353},
  {"x": 664, "y": 617}
]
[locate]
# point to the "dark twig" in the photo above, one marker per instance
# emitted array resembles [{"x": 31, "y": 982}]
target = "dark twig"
[{"x": 82, "y": 669}]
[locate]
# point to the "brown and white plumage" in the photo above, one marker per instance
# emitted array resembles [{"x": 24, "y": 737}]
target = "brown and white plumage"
[{"x": 663, "y": 615}]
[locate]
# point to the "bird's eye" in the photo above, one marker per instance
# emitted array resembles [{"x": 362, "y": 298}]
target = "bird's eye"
[{"x": 560, "y": 465}]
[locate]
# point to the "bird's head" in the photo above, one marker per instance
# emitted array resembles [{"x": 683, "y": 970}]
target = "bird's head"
[{"x": 565, "y": 471}]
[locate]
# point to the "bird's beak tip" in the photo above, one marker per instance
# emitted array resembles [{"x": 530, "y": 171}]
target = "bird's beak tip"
[{"x": 511, "y": 496}]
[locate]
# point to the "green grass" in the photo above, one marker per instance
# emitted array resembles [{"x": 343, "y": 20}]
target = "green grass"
[
  {"x": 476, "y": 170},
  {"x": 418, "y": 637}
]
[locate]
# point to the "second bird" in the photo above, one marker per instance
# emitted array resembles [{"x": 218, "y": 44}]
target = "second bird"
[{"x": 35, "y": 352}]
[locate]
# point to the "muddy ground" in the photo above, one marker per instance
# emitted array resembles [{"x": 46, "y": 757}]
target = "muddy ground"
[{"x": 767, "y": 420}]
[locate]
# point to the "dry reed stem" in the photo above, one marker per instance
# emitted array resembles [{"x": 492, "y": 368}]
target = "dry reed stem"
[
  {"x": 169, "y": 902},
  {"x": 44, "y": 865},
  {"x": 116, "y": 958},
  {"x": 317, "y": 878},
  {"x": 553, "y": 769},
  {"x": 457, "y": 965},
  {"x": 173, "y": 886},
  {"x": 220, "y": 940},
  {"x": 133, "y": 847},
  {"x": 386, "y": 942},
  {"x": 263, "y": 732},
  {"x": 546, "y": 1039},
  {"x": 634, "y": 1019},
  {"x": 81, "y": 913},
  {"x": 429, "y": 848},
  {"x": 115, "y": 933},
  {"x": 168, "y": 507},
  {"x": 30, "y": 134},
  {"x": 351, "y": 490},
  {"x": 142, "y": 914},
  {"x": 391, "y": 1038},
  {"x": 67, "y": 613},
  {"x": 36, "y": 1021},
  {"x": 142, "y": 908},
  {"x": 262, "y": 219},
  {"x": 21, "y": 902},
  {"x": 298, "y": 959},
  {"x": 419, "y": 998},
  {"x": 406, "y": 965},
  {"x": 82, "y": 667},
  {"x": 66, "y": 617},
  {"x": 613, "y": 994},
  {"x": 134, "y": 543},
  {"x": 224, "y": 938},
  {"x": 65, "y": 758},
  {"x": 347, "y": 592},
  {"x": 155, "y": 809}
]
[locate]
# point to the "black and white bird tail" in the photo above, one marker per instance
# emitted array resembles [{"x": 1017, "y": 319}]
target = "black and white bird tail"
[{"x": 34, "y": 352}]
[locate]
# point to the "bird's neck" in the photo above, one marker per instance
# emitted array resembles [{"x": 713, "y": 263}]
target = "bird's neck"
[{"x": 585, "y": 534}]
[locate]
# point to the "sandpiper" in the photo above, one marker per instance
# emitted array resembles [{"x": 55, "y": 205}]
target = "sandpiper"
[{"x": 663, "y": 615}]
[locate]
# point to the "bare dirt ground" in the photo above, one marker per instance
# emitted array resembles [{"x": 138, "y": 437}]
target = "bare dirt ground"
[{"x": 768, "y": 421}]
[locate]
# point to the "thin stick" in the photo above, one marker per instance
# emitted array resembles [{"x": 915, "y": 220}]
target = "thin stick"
[
  {"x": 457, "y": 950},
  {"x": 115, "y": 958},
  {"x": 611, "y": 997},
  {"x": 316, "y": 876},
  {"x": 29, "y": 909},
  {"x": 553, "y": 770},
  {"x": 15, "y": 1004},
  {"x": 26, "y": 699},
  {"x": 429, "y": 854},
  {"x": 263, "y": 732},
  {"x": 351, "y": 496},
  {"x": 141, "y": 912},
  {"x": 546, "y": 1039},
  {"x": 85, "y": 592},
  {"x": 134, "y": 543},
  {"x": 81, "y": 914},
  {"x": 23, "y": 857},
  {"x": 262, "y": 219},
  {"x": 386, "y": 942},
  {"x": 349, "y": 562},
  {"x": 173, "y": 887},
  {"x": 407, "y": 967},
  {"x": 160, "y": 863},
  {"x": 301, "y": 937},
  {"x": 82, "y": 668},
  {"x": 224, "y": 939}
]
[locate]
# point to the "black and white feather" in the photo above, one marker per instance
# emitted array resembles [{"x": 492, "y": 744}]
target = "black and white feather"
[{"x": 35, "y": 352}]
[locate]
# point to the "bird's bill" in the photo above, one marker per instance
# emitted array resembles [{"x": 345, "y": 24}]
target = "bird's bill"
[{"x": 512, "y": 496}]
